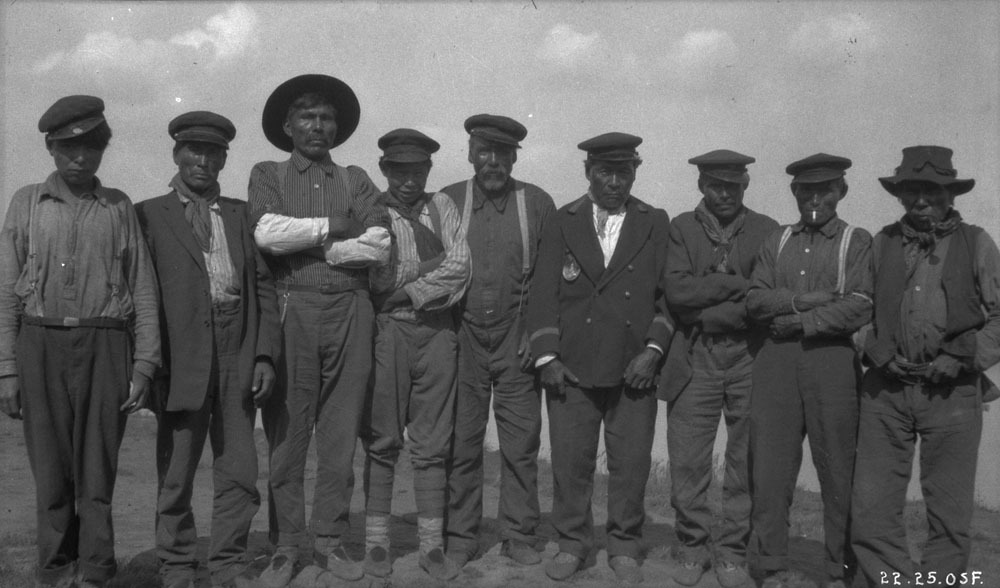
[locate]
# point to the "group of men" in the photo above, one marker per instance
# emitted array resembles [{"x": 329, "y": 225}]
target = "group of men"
[{"x": 344, "y": 313}]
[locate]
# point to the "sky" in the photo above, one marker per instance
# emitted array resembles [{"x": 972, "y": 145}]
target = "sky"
[{"x": 777, "y": 80}]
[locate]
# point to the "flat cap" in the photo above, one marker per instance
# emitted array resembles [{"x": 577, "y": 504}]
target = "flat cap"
[
  {"x": 406, "y": 146},
  {"x": 202, "y": 126},
  {"x": 496, "y": 128},
  {"x": 725, "y": 165},
  {"x": 71, "y": 116},
  {"x": 820, "y": 167},
  {"x": 343, "y": 98},
  {"x": 612, "y": 147}
]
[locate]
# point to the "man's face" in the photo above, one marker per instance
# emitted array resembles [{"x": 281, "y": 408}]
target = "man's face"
[
  {"x": 611, "y": 182},
  {"x": 723, "y": 199},
  {"x": 313, "y": 130},
  {"x": 818, "y": 201},
  {"x": 77, "y": 162},
  {"x": 493, "y": 164},
  {"x": 406, "y": 180},
  {"x": 926, "y": 203},
  {"x": 199, "y": 164}
]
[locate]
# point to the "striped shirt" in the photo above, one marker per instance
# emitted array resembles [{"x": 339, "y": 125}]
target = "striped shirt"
[
  {"x": 809, "y": 262},
  {"x": 443, "y": 286},
  {"x": 314, "y": 190}
]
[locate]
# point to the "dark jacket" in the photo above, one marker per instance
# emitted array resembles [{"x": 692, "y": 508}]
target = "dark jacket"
[
  {"x": 186, "y": 305},
  {"x": 705, "y": 302},
  {"x": 599, "y": 320}
]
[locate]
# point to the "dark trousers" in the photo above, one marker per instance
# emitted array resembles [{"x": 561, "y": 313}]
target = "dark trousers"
[
  {"x": 574, "y": 428},
  {"x": 803, "y": 388},
  {"x": 948, "y": 419},
  {"x": 488, "y": 367},
  {"x": 72, "y": 382},
  {"x": 720, "y": 384},
  {"x": 227, "y": 418},
  {"x": 322, "y": 382},
  {"x": 415, "y": 366}
]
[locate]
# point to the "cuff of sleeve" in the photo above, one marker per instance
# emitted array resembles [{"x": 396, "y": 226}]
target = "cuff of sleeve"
[
  {"x": 660, "y": 331},
  {"x": 655, "y": 346},
  {"x": 547, "y": 358},
  {"x": 545, "y": 341},
  {"x": 8, "y": 367},
  {"x": 810, "y": 323},
  {"x": 144, "y": 367}
]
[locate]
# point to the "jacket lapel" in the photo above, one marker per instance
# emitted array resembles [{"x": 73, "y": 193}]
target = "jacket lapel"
[
  {"x": 634, "y": 234},
  {"x": 173, "y": 213},
  {"x": 231, "y": 222},
  {"x": 581, "y": 239}
]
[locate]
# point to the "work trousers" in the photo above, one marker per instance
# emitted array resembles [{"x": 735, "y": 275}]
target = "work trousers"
[
  {"x": 721, "y": 381},
  {"x": 803, "y": 387},
  {"x": 948, "y": 419},
  {"x": 322, "y": 382},
  {"x": 489, "y": 367},
  {"x": 227, "y": 419},
  {"x": 72, "y": 382},
  {"x": 575, "y": 419},
  {"x": 415, "y": 366}
]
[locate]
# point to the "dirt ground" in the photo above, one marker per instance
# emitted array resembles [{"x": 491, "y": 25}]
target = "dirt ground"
[{"x": 136, "y": 491}]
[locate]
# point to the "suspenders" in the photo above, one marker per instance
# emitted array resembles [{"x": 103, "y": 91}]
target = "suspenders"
[{"x": 845, "y": 242}]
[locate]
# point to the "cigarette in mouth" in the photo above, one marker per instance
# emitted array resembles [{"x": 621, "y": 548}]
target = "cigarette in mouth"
[{"x": 814, "y": 215}]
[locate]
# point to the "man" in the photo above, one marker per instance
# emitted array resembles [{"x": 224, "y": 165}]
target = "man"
[
  {"x": 307, "y": 210},
  {"x": 708, "y": 369},
  {"x": 79, "y": 339},
  {"x": 503, "y": 220},
  {"x": 598, "y": 329},
  {"x": 936, "y": 330},
  {"x": 219, "y": 323},
  {"x": 812, "y": 288},
  {"x": 416, "y": 352}
]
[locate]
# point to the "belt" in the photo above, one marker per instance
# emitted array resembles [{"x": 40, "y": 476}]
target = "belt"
[{"x": 72, "y": 321}]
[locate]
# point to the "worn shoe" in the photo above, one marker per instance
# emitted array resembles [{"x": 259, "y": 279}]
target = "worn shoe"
[
  {"x": 279, "y": 572},
  {"x": 333, "y": 557},
  {"x": 626, "y": 569},
  {"x": 520, "y": 552},
  {"x": 562, "y": 566},
  {"x": 377, "y": 562},
  {"x": 438, "y": 566},
  {"x": 732, "y": 575},
  {"x": 688, "y": 573}
]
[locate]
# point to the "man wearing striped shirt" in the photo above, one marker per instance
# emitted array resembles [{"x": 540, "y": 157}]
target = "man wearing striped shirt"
[
  {"x": 812, "y": 287},
  {"x": 321, "y": 226},
  {"x": 416, "y": 351}
]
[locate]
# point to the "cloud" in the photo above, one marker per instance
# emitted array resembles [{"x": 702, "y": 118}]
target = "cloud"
[
  {"x": 704, "y": 48},
  {"x": 835, "y": 40},
  {"x": 566, "y": 47},
  {"x": 224, "y": 35},
  {"x": 230, "y": 33}
]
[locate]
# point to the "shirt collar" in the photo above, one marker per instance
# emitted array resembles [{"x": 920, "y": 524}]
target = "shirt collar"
[
  {"x": 619, "y": 212},
  {"x": 184, "y": 200},
  {"x": 302, "y": 163},
  {"x": 479, "y": 198},
  {"x": 829, "y": 230},
  {"x": 56, "y": 187}
]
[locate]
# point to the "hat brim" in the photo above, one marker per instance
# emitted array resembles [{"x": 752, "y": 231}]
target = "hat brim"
[
  {"x": 76, "y": 128},
  {"x": 732, "y": 177},
  {"x": 340, "y": 94},
  {"x": 956, "y": 187},
  {"x": 201, "y": 136},
  {"x": 405, "y": 157}
]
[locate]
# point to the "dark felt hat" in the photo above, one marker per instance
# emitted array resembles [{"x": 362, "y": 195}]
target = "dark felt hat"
[
  {"x": 340, "y": 94},
  {"x": 406, "y": 146},
  {"x": 496, "y": 129},
  {"x": 71, "y": 116},
  {"x": 927, "y": 163},
  {"x": 817, "y": 168},
  {"x": 202, "y": 126},
  {"x": 725, "y": 165},
  {"x": 612, "y": 147}
]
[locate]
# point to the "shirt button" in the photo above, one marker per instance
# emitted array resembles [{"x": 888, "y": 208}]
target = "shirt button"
[
  {"x": 807, "y": 250},
  {"x": 588, "y": 320},
  {"x": 630, "y": 268},
  {"x": 917, "y": 288},
  {"x": 628, "y": 294},
  {"x": 802, "y": 273},
  {"x": 628, "y": 323},
  {"x": 316, "y": 186}
]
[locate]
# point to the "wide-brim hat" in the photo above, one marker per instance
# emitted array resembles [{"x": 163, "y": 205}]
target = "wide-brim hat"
[
  {"x": 340, "y": 94},
  {"x": 927, "y": 163}
]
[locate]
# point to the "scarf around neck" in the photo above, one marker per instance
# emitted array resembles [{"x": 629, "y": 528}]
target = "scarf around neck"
[
  {"x": 922, "y": 241},
  {"x": 428, "y": 244},
  {"x": 196, "y": 210},
  {"x": 720, "y": 236}
]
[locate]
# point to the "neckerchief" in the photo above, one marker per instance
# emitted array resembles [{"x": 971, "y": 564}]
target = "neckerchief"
[
  {"x": 918, "y": 242},
  {"x": 428, "y": 244},
  {"x": 720, "y": 236},
  {"x": 196, "y": 210}
]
